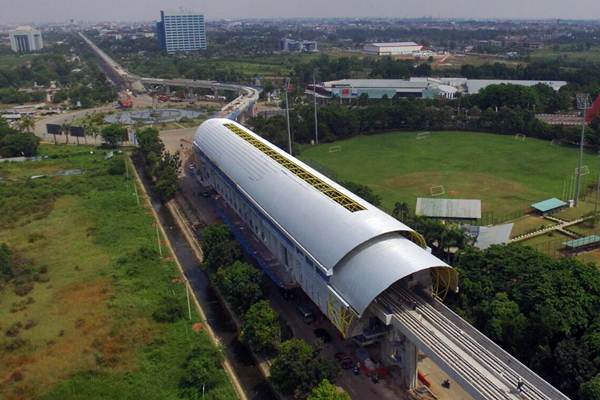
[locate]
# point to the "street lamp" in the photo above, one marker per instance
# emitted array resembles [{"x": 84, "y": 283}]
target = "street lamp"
[
  {"x": 315, "y": 105},
  {"x": 583, "y": 103}
]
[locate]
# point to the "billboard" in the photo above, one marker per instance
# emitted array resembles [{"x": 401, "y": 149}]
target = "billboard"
[
  {"x": 77, "y": 131},
  {"x": 53, "y": 129}
]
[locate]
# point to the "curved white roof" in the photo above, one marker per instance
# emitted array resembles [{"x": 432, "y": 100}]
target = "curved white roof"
[
  {"x": 381, "y": 262},
  {"x": 364, "y": 244},
  {"x": 324, "y": 228}
]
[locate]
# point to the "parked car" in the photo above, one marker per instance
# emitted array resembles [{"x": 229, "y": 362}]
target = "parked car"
[{"x": 306, "y": 313}]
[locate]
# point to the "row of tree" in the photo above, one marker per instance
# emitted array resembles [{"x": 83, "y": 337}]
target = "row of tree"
[
  {"x": 160, "y": 166},
  {"x": 298, "y": 368},
  {"x": 17, "y": 142},
  {"x": 337, "y": 121}
]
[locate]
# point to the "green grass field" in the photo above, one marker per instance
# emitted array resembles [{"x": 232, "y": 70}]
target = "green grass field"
[
  {"x": 92, "y": 334},
  {"x": 506, "y": 174},
  {"x": 569, "y": 55}
]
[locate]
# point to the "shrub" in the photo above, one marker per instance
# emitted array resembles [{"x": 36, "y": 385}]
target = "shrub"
[
  {"x": 23, "y": 288},
  {"x": 116, "y": 167},
  {"x": 202, "y": 371},
  {"x": 170, "y": 309},
  {"x": 14, "y": 329}
]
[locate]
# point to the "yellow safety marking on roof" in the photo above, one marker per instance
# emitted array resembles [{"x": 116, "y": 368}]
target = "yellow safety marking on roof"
[{"x": 297, "y": 170}]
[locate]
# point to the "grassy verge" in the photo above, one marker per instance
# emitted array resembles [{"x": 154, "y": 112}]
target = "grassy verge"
[{"x": 92, "y": 331}]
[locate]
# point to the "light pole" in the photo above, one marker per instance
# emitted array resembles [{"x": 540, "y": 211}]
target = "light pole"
[
  {"x": 583, "y": 103},
  {"x": 315, "y": 105},
  {"x": 287, "y": 115}
]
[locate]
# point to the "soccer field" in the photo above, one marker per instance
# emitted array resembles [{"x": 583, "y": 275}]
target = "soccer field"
[{"x": 507, "y": 174}]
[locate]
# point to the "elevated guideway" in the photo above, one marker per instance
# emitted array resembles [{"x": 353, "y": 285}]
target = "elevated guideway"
[
  {"x": 480, "y": 366},
  {"x": 244, "y": 103}
]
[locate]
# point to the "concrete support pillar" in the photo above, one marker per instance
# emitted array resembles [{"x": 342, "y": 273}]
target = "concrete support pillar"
[{"x": 409, "y": 365}]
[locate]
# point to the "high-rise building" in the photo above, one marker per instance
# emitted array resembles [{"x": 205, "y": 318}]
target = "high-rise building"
[
  {"x": 26, "y": 39},
  {"x": 181, "y": 31}
]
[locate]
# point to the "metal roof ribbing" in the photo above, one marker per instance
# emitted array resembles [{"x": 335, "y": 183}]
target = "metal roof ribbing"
[{"x": 449, "y": 208}]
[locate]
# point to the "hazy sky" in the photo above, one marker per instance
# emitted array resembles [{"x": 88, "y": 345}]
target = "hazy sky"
[{"x": 18, "y": 11}]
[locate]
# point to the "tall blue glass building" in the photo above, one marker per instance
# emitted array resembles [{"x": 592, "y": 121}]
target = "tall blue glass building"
[{"x": 181, "y": 31}]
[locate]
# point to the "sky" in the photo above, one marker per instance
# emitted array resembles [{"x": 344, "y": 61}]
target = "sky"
[{"x": 17, "y": 11}]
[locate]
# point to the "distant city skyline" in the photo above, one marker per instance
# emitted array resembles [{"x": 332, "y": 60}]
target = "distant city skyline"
[{"x": 36, "y": 11}]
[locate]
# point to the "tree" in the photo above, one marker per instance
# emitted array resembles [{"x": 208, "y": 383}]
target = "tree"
[
  {"x": 401, "y": 211},
  {"x": 362, "y": 191},
  {"x": 591, "y": 389},
  {"x": 113, "y": 134},
  {"x": 326, "y": 391},
  {"x": 506, "y": 324},
  {"x": 219, "y": 247},
  {"x": 298, "y": 368},
  {"x": 27, "y": 124},
  {"x": 150, "y": 147},
  {"x": 261, "y": 329},
  {"x": 241, "y": 285},
  {"x": 65, "y": 127},
  {"x": 166, "y": 175},
  {"x": 19, "y": 144}
]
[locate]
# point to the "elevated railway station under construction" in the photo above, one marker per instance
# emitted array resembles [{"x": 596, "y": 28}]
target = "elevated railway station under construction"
[{"x": 361, "y": 267}]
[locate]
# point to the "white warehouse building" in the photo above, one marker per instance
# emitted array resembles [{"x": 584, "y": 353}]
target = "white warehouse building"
[{"x": 392, "y": 49}]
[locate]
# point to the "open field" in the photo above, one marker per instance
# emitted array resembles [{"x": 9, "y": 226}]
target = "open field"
[
  {"x": 569, "y": 55},
  {"x": 88, "y": 326},
  {"x": 506, "y": 174},
  {"x": 455, "y": 62}
]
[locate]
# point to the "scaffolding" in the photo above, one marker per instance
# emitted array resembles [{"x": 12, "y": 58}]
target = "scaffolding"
[{"x": 323, "y": 187}]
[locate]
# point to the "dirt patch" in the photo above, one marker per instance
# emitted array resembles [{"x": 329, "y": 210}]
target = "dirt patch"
[{"x": 89, "y": 340}]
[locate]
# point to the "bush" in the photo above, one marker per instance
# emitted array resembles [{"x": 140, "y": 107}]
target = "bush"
[
  {"x": 327, "y": 391},
  {"x": 116, "y": 167},
  {"x": 170, "y": 309},
  {"x": 14, "y": 329},
  {"x": 261, "y": 330},
  {"x": 19, "y": 144},
  {"x": 202, "y": 371},
  {"x": 23, "y": 288}
]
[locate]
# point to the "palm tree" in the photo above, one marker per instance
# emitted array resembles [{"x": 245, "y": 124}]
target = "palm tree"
[
  {"x": 27, "y": 124},
  {"x": 65, "y": 130}
]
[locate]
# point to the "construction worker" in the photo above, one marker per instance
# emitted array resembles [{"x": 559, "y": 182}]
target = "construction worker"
[{"x": 520, "y": 385}]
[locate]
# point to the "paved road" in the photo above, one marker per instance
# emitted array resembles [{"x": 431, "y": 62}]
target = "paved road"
[{"x": 59, "y": 119}]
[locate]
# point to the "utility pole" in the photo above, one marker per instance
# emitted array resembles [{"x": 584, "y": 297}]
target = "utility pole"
[
  {"x": 287, "y": 115},
  {"x": 583, "y": 103},
  {"x": 158, "y": 241},
  {"x": 315, "y": 105},
  {"x": 187, "y": 295}
]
